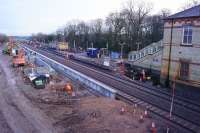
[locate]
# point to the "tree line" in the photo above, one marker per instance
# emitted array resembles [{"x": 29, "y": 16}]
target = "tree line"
[
  {"x": 3, "y": 38},
  {"x": 132, "y": 26}
]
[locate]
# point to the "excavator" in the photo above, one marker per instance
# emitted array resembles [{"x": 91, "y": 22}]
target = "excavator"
[{"x": 19, "y": 58}]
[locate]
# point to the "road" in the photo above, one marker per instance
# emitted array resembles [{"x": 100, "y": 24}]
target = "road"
[{"x": 17, "y": 113}]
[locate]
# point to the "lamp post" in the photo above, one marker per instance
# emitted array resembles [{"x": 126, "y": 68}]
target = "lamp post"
[
  {"x": 122, "y": 47},
  {"x": 75, "y": 46},
  {"x": 173, "y": 95},
  {"x": 92, "y": 48},
  {"x": 107, "y": 49}
]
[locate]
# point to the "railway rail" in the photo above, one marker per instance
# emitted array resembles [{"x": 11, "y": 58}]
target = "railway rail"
[
  {"x": 194, "y": 106},
  {"x": 185, "y": 115}
]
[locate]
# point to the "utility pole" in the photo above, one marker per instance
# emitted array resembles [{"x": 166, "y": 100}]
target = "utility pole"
[
  {"x": 74, "y": 45},
  {"x": 107, "y": 49},
  {"x": 171, "y": 106},
  {"x": 92, "y": 44},
  {"x": 92, "y": 47},
  {"x": 173, "y": 95}
]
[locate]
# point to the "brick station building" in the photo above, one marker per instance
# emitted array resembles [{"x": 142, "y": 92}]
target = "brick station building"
[{"x": 181, "y": 53}]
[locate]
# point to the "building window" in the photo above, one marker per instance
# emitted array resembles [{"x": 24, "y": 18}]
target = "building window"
[
  {"x": 187, "y": 35},
  {"x": 145, "y": 52},
  {"x": 184, "y": 70},
  {"x": 140, "y": 56}
]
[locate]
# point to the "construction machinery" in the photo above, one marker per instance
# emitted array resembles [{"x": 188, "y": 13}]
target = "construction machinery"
[
  {"x": 19, "y": 58},
  {"x": 62, "y": 46},
  {"x": 8, "y": 48}
]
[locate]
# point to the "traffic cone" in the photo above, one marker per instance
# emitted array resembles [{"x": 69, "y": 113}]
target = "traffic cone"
[
  {"x": 146, "y": 113},
  {"x": 153, "y": 128},
  {"x": 136, "y": 105},
  {"x": 122, "y": 111},
  {"x": 141, "y": 119},
  {"x": 134, "y": 111}
]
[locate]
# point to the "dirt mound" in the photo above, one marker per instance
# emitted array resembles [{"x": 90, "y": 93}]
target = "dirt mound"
[{"x": 102, "y": 115}]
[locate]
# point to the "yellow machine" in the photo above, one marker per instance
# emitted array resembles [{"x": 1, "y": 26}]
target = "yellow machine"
[
  {"x": 63, "y": 46},
  {"x": 19, "y": 58}
]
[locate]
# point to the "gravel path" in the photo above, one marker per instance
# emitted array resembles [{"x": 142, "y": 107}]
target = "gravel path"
[{"x": 17, "y": 113}]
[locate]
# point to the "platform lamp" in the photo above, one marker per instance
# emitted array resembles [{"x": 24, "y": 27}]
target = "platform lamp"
[{"x": 122, "y": 48}]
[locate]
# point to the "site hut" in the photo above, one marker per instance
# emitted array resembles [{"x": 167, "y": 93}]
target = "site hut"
[{"x": 181, "y": 53}]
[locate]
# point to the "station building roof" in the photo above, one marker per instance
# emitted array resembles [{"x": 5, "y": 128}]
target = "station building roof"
[{"x": 191, "y": 12}]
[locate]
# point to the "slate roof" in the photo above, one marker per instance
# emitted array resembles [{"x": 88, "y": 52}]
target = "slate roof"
[{"x": 191, "y": 12}]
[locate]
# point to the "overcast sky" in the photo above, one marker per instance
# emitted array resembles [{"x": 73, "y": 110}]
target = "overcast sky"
[{"x": 24, "y": 17}]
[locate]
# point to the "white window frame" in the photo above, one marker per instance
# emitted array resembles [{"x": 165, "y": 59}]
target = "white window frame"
[{"x": 183, "y": 35}]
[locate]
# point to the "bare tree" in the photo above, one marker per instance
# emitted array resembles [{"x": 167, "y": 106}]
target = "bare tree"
[
  {"x": 82, "y": 34},
  {"x": 3, "y": 38},
  {"x": 190, "y": 3},
  {"x": 135, "y": 14},
  {"x": 132, "y": 25},
  {"x": 115, "y": 24},
  {"x": 165, "y": 12}
]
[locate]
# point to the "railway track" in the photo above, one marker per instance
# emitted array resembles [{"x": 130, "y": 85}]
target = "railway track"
[
  {"x": 149, "y": 89},
  {"x": 158, "y": 104}
]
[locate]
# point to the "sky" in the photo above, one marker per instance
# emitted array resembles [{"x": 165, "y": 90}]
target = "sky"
[{"x": 25, "y": 17}]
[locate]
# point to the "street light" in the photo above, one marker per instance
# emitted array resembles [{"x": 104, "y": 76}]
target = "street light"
[
  {"x": 92, "y": 47},
  {"x": 173, "y": 94},
  {"x": 75, "y": 46},
  {"x": 122, "y": 47}
]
